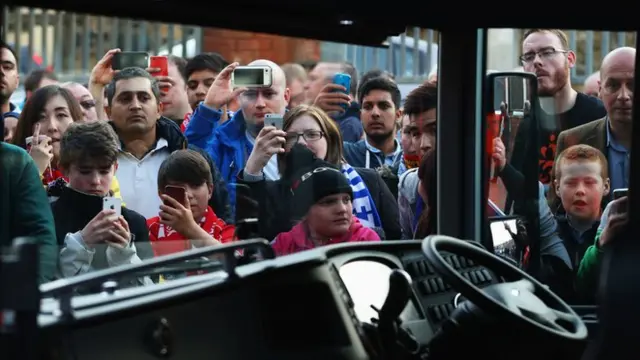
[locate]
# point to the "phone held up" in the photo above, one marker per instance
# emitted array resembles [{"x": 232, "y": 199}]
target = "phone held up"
[
  {"x": 619, "y": 193},
  {"x": 624, "y": 205},
  {"x": 178, "y": 193},
  {"x": 127, "y": 59},
  {"x": 112, "y": 203},
  {"x": 256, "y": 76},
  {"x": 343, "y": 80},
  {"x": 161, "y": 63},
  {"x": 275, "y": 120}
]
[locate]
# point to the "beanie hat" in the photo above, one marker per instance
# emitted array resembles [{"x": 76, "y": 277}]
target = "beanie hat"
[{"x": 315, "y": 183}]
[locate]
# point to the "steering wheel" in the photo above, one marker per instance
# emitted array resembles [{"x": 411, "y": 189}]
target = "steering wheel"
[{"x": 523, "y": 299}]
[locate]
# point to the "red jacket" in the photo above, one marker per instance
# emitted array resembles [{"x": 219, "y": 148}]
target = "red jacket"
[{"x": 165, "y": 240}]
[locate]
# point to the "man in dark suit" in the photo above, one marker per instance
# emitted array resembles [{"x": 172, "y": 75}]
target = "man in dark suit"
[{"x": 612, "y": 133}]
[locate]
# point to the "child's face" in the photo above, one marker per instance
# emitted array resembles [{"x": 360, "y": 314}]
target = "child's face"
[
  {"x": 90, "y": 178},
  {"x": 331, "y": 216},
  {"x": 581, "y": 188},
  {"x": 198, "y": 198}
]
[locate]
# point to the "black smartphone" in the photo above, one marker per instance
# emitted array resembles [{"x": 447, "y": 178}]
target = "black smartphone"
[
  {"x": 127, "y": 59},
  {"x": 618, "y": 193}
]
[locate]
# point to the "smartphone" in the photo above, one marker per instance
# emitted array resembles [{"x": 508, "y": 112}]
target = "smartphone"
[
  {"x": 112, "y": 203},
  {"x": 127, "y": 59},
  {"x": 177, "y": 193},
  {"x": 343, "y": 80},
  {"x": 29, "y": 140},
  {"x": 258, "y": 76},
  {"x": 503, "y": 242},
  {"x": 618, "y": 193},
  {"x": 159, "y": 62},
  {"x": 275, "y": 120}
]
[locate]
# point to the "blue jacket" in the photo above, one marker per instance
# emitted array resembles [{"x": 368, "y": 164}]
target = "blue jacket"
[
  {"x": 226, "y": 143},
  {"x": 349, "y": 124}
]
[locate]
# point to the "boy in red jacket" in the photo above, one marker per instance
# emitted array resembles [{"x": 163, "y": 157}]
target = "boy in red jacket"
[{"x": 186, "y": 220}]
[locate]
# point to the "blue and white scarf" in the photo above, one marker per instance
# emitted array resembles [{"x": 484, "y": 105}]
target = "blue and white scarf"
[{"x": 363, "y": 206}]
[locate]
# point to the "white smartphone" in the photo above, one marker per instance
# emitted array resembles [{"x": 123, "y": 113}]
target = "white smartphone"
[
  {"x": 275, "y": 120},
  {"x": 29, "y": 140},
  {"x": 112, "y": 203},
  {"x": 258, "y": 76}
]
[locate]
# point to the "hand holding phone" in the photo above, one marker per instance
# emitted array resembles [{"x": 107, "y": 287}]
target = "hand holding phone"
[
  {"x": 619, "y": 193},
  {"x": 275, "y": 120},
  {"x": 343, "y": 80},
  {"x": 114, "y": 204},
  {"x": 40, "y": 149}
]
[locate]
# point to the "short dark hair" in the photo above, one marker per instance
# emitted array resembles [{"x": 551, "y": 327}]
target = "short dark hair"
[
  {"x": 35, "y": 77},
  {"x": 421, "y": 99},
  {"x": 205, "y": 61},
  {"x": 185, "y": 167},
  {"x": 181, "y": 64},
  {"x": 383, "y": 84},
  {"x": 131, "y": 73},
  {"x": 89, "y": 143},
  {"x": 4, "y": 45},
  {"x": 374, "y": 73}
]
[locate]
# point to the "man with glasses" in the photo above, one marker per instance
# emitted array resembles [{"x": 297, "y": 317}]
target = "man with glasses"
[
  {"x": 546, "y": 53},
  {"x": 84, "y": 97}
]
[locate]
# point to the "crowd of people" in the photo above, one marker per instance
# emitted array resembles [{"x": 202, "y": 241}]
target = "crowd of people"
[{"x": 186, "y": 156}]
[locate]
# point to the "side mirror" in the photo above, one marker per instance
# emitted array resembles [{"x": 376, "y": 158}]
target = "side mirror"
[
  {"x": 511, "y": 99},
  {"x": 511, "y": 104}
]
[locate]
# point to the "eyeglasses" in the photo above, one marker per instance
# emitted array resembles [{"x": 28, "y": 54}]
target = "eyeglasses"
[
  {"x": 308, "y": 135},
  {"x": 545, "y": 54},
  {"x": 88, "y": 104}
]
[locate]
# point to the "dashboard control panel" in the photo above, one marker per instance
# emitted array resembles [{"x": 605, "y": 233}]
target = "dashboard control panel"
[{"x": 435, "y": 295}]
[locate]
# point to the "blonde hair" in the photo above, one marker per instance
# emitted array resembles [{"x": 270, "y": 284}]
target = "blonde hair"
[{"x": 329, "y": 130}]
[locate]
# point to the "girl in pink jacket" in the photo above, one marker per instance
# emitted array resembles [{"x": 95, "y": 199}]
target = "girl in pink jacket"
[{"x": 322, "y": 199}]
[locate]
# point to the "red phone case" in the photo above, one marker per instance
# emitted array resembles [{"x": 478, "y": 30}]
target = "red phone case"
[
  {"x": 160, "y": 62},
  {"x": 175, "y": 192}
]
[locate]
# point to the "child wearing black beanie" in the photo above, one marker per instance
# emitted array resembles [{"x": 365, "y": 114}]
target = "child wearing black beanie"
[{"x": 321, "y": 201}]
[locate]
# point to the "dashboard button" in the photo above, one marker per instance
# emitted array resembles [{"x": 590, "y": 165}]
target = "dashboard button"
[
  {"x": 474, "y": 277},
  {"x": 429, "y": 267},
  {"x": 425, "y": 288},
  {"x": 481, "y": 276},
  {"x": 456, "y": 262},
  {"x": 412, "y": 268},
  {"x": 437, "y": 314},
  {"x": 463, "y": 262},
  {"x": 487, "y": 275},
  {"x": 434, "y": 285},
  {"x": 440, "y": 284},
  {"x": 444, "y": 310},
  {"x": 449, "y": 260},
  {"x": 466, "y": 276},
  {"x": 422, "y": 269}
]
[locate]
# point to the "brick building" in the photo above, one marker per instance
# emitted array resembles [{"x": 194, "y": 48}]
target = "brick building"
[{"x": 243, "y": 46}]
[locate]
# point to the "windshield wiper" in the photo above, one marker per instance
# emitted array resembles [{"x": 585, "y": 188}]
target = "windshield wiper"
[{"x": 63, "y": 289}]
